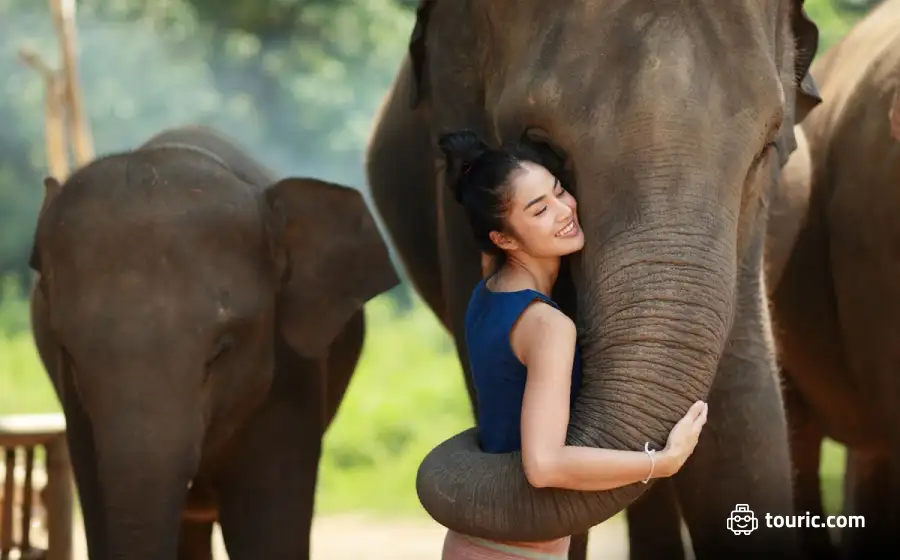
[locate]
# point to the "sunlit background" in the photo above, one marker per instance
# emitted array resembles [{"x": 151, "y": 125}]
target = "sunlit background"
[{"x": 297, "y": 82}]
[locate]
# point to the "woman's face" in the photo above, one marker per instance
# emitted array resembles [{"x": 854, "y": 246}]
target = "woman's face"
[{"x": 541, "y": 215}]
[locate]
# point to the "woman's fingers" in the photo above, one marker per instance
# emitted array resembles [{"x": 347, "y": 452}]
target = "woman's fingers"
[
  {"x": 701, "y": 417},
  {"x": 697, "y": 410}
]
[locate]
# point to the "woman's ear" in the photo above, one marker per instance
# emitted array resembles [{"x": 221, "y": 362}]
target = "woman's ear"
[
  {"x": 334, "y": 259},
  {"x": 503, "y": 241}
]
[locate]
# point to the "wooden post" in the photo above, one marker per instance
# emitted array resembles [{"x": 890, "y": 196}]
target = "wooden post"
[
  {"x": 54, "y": 115},
  {"x": 9, "y": 490},
  {"x": 26, "y": 432},
  {"x": 63, "y": 12}
]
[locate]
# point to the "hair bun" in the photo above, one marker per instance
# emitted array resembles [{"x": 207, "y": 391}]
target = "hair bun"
[{"x": 461, "y": 150}]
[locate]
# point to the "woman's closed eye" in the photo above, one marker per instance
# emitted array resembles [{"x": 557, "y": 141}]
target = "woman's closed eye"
[{"x": 558, "y": 192}]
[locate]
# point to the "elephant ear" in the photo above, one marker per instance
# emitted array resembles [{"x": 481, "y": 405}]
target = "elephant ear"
[
  {"x": 806, "y": 35},
  {"x": 331, "y": 258},
  {"x": 52, "y": 188},
  {"x": 418, "y": 89}
]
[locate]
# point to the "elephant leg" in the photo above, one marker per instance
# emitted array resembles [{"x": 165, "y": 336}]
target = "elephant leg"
[
  {"x": 654, "y": 524},
  {"x": 806, "y": 437},
  {"x": 870, "y": 491},
  {"x": 578, "y": 547},
  {"x": 195, "y": 542},
  {"x": 742, "y": 456},
  {"x": 83, "y": 457},
  {"x": 267, "y": 486}
]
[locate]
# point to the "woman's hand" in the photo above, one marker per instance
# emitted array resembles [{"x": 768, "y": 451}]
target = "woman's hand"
[{"x": 682, "y": 440}]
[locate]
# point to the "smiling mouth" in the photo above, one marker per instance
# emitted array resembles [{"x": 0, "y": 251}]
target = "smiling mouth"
[{"x": 568, "y": 231}]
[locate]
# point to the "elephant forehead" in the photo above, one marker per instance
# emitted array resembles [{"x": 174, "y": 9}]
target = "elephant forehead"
[
  {"x": 128, "y": 203},
  {"x": 608, "y": 64},
  {"x": 122, "y": 301}
]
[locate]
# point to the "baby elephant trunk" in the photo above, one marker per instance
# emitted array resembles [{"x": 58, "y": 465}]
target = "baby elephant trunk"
[{"x": 146, "y": 456}]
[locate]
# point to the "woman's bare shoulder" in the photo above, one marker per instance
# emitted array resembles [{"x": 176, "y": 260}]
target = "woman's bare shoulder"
[{"x": 541, "y": 325}]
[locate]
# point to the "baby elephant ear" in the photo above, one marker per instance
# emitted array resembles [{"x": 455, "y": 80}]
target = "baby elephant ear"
[
  {"x": 52, "y": 188},
  {"x": 334, "y": 257},
  {"x": 894, "y": 116}
]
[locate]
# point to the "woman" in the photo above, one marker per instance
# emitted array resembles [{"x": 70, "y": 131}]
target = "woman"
[{"x": 522, "y": 347}]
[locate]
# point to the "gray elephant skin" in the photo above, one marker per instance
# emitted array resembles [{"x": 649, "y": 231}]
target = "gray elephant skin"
[
  {"x": 836, "y": 306},
  {"x": 670, "y": 122},
  {"x": 654, "y": 522},
  {"x": 200, "y": 322}
]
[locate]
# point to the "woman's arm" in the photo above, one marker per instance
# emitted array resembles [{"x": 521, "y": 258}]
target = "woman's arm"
[{"x": 544, "y": 340}]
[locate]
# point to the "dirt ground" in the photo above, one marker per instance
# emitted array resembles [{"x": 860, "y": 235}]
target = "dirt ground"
[{"x": 356, "y": 537}]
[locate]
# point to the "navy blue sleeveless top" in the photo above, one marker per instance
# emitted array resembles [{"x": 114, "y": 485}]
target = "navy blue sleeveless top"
[{"x": 498, "y": 374}]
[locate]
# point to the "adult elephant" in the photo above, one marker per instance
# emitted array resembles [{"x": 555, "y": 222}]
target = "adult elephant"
[
  {"x": 837, "y": 305},
  {"x": 200, "y": 321},
  {"x": 670, "y": 121}
]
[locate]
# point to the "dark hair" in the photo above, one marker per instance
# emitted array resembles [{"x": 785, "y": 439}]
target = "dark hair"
[{"x": 479, "y": 179}]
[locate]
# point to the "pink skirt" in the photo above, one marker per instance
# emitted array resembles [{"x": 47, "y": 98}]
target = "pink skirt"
[{"x": 464, "y": 547}]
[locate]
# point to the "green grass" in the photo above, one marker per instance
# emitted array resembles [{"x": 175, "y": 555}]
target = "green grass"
[{"x": 407, "y": 395}]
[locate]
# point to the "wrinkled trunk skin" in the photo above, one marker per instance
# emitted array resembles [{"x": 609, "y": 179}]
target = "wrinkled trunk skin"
[
  {"x": 144, "y": 464},
  {"x": 656, "y": 301}
]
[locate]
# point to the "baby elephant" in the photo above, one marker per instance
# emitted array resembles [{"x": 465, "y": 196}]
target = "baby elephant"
[{"x": 200, "y": 322}]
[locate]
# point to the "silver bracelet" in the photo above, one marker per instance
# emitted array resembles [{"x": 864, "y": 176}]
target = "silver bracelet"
[{"x": 650, "y": 453}]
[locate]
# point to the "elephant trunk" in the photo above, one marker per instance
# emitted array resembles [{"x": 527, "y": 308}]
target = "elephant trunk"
[
  {"x": 145, "y": 462},
  {"x": 656, "y": 294}
]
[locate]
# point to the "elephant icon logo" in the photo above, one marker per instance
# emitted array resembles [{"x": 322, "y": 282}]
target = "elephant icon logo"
[{"x": 742, "y": 521}]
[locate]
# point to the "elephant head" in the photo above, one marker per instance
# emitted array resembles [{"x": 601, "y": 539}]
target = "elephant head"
[
  {"x": 167, "y": 284},
  {"x": 669, "y": 120}
]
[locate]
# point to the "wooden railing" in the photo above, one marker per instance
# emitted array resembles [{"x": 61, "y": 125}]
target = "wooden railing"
[{"x": 20, "y": 436}]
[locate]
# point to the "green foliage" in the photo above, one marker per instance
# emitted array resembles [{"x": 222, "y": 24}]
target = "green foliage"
[
  {"x": 13, "y": 307},
  {"x": 832, "y": 20}
]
